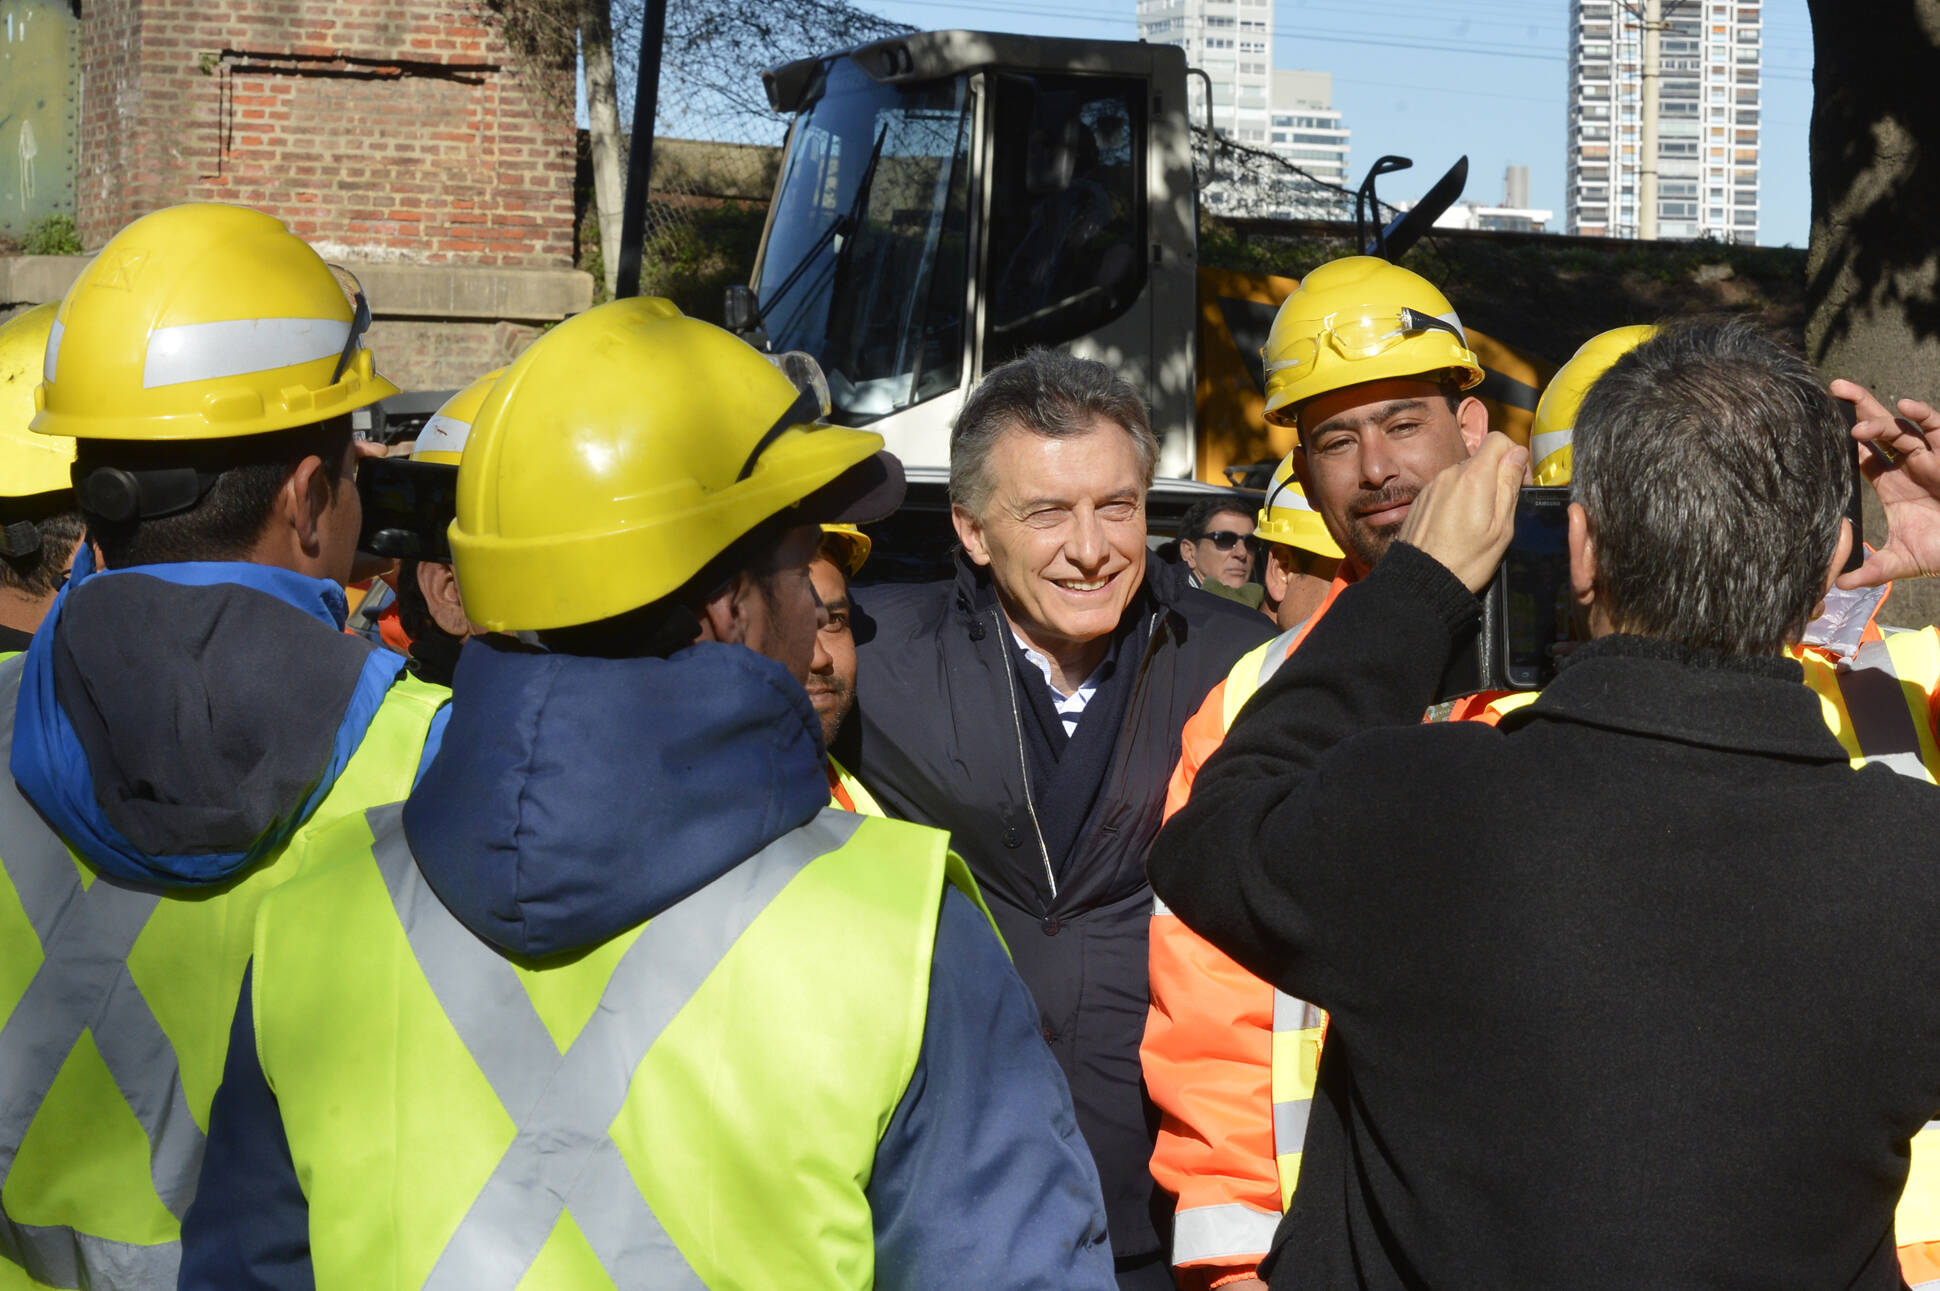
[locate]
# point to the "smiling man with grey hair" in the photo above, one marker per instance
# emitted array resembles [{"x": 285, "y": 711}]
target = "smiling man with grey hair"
[
  {"x": 1564, "y": 967},
  {"x": 1032, "y": 706}
]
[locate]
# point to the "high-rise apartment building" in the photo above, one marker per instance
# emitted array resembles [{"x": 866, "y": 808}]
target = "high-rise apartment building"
[
  {"x": 1707, "y": 118},
  {"x": 1232, "y": 41},
  {"x": 1305, "y": 128}
]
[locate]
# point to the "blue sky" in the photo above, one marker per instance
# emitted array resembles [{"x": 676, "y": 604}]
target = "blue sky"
[{"x": 1432, "y": 81}]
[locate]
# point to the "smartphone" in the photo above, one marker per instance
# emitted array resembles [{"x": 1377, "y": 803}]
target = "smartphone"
[
  {"x": 408, "y": 506},
  {"x": 1535, "y": 608}
]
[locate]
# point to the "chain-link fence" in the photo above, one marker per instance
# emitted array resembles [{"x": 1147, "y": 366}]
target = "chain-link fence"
[{"x": 716, "y": 140}]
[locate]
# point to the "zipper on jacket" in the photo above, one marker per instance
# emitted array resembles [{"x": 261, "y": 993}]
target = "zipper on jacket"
[{"x": 1023, "y": 762}]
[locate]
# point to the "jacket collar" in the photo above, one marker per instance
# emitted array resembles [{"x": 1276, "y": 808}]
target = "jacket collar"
[{"x": 1747, "y": 704}]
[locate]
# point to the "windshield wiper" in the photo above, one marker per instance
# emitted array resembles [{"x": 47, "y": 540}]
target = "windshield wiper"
[{"x": 843, "y": 225}]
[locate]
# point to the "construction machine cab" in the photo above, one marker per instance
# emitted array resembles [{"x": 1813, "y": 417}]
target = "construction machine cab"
[{"x": 948, "y": 200}]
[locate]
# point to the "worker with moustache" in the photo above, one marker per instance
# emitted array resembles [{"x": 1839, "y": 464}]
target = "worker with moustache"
[
  {"x": 1369, "y": 364},
  {"x": 831, "y": 674}
]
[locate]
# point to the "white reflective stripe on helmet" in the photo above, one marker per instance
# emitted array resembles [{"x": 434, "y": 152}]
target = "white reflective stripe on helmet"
[
  {"x": 1549, "y": 441},
  {"x": 53, "y": 350},
  {"x": 443, "y": 434},
  {"x": 210, "y": 351},
  {"x": 1455, "y": 322}
]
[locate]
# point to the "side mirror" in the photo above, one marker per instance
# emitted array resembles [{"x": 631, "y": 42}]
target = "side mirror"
[{"x": 740, "y": 311}]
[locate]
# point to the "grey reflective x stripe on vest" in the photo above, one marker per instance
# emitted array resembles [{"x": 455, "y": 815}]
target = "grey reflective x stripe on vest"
[
  {"x": 83, "y": 984},
  {"x": 1882, "y": 718},
  {"x": 563, "y": 1104},
  {"x": 1290, "y": 1117}
]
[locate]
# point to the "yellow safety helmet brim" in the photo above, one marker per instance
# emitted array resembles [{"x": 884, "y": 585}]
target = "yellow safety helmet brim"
[
  {"x": 605, "y": 468},
  {"x": 29, "y": 464},
  {"x": 202, "y": 321},
  {"x": 1286, "y": 517},
  {"x": 444, "y": 435},
  {"x": 1554, "y": 430},
  {"x": 1352, "y": 287},
  {"x": 847, "y": 546}
]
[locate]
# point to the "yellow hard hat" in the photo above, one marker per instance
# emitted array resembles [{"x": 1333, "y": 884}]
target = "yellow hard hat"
[
  {"x": 1286, "y": 517},
  {"x": 443, "y": 437},
  {"x": 1549, "y": 440},
  {"x": 1360, "y": 319},
  {"x": 29, "y": 463},
  {"x": 626, "y": 449},
  {"x": 203, "y": 321},
  {"x": 847, "y": 546}
]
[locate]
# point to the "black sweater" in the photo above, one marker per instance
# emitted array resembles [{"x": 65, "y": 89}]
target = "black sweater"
[{"x": 1637, "y": 990}]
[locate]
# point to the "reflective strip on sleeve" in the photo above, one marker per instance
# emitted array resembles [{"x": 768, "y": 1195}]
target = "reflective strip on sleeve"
[
  {"x": 565, "y": 1104},
  {"x": 210, "y": 351},
  {"x": 1159, "y": 907},
  {"x": 1232, "y": 1231}
]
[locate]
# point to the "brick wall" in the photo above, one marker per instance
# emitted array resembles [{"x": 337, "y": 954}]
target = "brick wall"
[{"x": 381, "y": 130}]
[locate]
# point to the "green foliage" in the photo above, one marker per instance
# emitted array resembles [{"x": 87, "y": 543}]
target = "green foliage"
[
  {"x": 53, "y": 236},
  {"x": 700, "y": 253}
]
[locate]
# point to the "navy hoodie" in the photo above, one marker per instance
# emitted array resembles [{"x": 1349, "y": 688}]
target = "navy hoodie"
[{"x": 575, "y": 798}]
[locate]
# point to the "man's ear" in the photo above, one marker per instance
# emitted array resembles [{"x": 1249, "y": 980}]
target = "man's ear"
[
  {"x": 303, "y": 501},
  {"x": 970, "y": 533},
  {"x": 440, "y": 589},
  {"x": 723, "y": 615},
  {"x": 1189, "y": 555},
  {"x": 1275, "y": 576},
  {"x": 1582, "y": 545},
  {"x": 1472, "y": 415}
]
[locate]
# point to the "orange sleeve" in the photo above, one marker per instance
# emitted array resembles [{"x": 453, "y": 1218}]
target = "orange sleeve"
[
  {"x": 1208, "y": 1058},
  {"x": 1203, "y": 732}
]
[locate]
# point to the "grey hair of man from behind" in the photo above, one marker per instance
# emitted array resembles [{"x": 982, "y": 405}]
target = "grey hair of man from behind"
[
  {"x": 1046, "y": 392},
  {"x": 1714, "y": 469}
]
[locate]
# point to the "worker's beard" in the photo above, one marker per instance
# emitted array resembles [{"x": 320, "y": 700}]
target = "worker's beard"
[
  {"x": 833, "y": 699},
  {"x": 1371, "y": 542}
]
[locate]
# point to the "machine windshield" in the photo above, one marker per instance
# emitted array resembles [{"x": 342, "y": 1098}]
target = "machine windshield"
[{"x": 867, "y": 249}]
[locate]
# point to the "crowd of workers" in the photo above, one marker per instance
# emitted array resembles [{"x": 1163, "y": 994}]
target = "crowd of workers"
[{"x": 682, "y": 915}]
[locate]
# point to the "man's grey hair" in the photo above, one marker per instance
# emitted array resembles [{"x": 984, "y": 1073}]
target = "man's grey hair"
[
  {"x": 1715, "y": 470},
  {"x": 1046, "y": 392}
]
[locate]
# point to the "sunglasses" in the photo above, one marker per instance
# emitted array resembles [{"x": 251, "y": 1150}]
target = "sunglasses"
[{"x": 1224, "y": 539}]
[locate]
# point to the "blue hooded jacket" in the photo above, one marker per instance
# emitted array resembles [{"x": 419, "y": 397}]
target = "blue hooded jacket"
[
  {"x": 577, "y": 797},
  {"x": 176, "y": 723}
]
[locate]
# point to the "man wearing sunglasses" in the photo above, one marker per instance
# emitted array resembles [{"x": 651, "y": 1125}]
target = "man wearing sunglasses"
[
  {"x": 1216, "y": 546},
  {"x": 183, "y": 718}
]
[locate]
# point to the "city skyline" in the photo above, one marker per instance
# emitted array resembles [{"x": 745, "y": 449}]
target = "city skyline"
[{"x": 1411, "y": 78}]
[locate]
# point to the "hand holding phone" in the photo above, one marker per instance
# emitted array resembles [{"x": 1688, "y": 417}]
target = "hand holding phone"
[{"x": 1465, "y": 516}]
